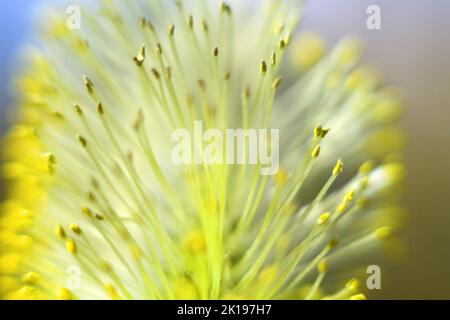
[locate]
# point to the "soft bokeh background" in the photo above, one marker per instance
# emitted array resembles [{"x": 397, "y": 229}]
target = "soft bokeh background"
[
  {"x": 15, "y": 26},
  {"x": 412, "y": 49}
]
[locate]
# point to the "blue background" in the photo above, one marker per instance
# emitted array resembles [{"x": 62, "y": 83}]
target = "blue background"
[{"x": 15, "y": 28}]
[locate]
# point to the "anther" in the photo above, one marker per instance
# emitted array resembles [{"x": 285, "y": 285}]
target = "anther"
[
  {"x": 143, "y": 22},
  {"x": 190, "y": 99},
  {"x": 60, "y": 232},
  {"x": 146, "y": 23},
  {"x": 320, "y": 132},
  {"x": 358, "y": 296},
  {"x": 383, "y": 232},
  {"x": 323, "y": 266},
  {"x": 140, "y": 57},
  {"x": 71, "y": 246},
  {"x": 273, "y": 59},
  {"x": 323, "y": 218},
  {"x": 158, "y": 49},
  {"x": 75, "y": 228},
  {"x": 247, "y": 91},
  {"x": 156, "y": 74},
  {"x": 324, "y": 132},
  {"x": 202, "y": 84},
  {"x": 65, "y": 294},
  {"x": 168, "y": 73},
  {"x": 100, "y": 109},
  {"x": 50, "y": 158},
  {"x": 315, "y": 153},
  {"x": 82, "y": 141},
  {"x": 352, "y": 285},
  {"x": 58, "y": 115},
  {"x": 277, "y": 82},
  {"x": 87, "y": 212},
  {"x": 95, "y": 184},
  {"x": 215, "y": 51},
  {"x": 333, "y": 243},
  {"x": 31, "y": 278},
  {"x": 91, "y": 197},
  {"x": 204, "y": 26},
  {"x": 89, "y": 84},
  {"x": 263, "y": 67},
  {"x": 78, "y": 109},
  {"x": 366, "y": 167},
  {"x": 139, "y": 120},
  {"x": 281, "y": 177},
  {"x": 226, "y": 8},
  {"x": 130, "y": 157},
  {"x": 106, "y": 266},
  {"x": 350, "y": 196},
  {"x": 338, "y": 168},
  {"x": 171, "y": 30}
]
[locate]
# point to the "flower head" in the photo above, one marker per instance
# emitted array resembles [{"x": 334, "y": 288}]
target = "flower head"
[{"x": 98, "y": 209}]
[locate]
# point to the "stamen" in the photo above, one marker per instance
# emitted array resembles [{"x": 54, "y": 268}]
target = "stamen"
[
  {"x": 139, "y": 59},
  {"x": 75, "y": 228},
  {"x": 89, "y": 85},
  {"x": 60, "y": 232},
  {"x": 338, "y": 168},
  {"x": 31, "y": 278},
  {"x": 71, "y": 246},
  {"x": 322, "y": 268}
]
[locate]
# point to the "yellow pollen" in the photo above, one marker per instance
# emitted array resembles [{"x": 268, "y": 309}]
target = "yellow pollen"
[
  {"x": 309, "y": 48},
  {"x": 277, "y": 82},
  {"x": 366, "y": 167},
  {"x": 75, "y": 228},
  {"x": 315, "y": 153},
  {"x": 333, "y": 243},
  {"x": 111, "y": 290},
  {"x": 171, "y": 30},
  {"x": 71, "y": 246},
  {"x": 281, "y": 177},
  {"x": 65, "y": 294},
  {"x": 60, "y": 232},
  {"x": 88, "y": 213},
  {"x": 323, "y": 266},
  {"x": 31, "y": 278},
  {"x": 140, "y": 57},
  {"x": 383, "y": 232},
  {"x": 338, "y": 168},
  {"x": 352, "y": 285},
  {"x": 195, "y": 242},
  {"x": 324, "y": 218},
  {"x": 358, "y": 296}
]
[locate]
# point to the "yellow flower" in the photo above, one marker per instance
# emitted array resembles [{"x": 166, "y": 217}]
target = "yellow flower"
[{"x": 96, "y": 208}]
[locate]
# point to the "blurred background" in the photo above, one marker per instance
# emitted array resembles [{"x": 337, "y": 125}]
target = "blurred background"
[
  {"x": 15, "y": 27},
  {"x": 16, "y": 20},
  {"x": 412, "y": 50}
]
